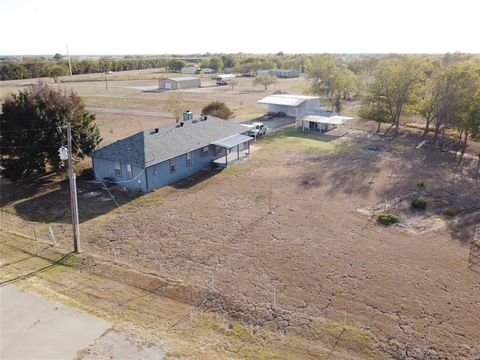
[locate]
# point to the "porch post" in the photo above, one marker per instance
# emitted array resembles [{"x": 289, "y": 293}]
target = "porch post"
[
  {"x": 238, "y": 152},
  {"x": 248, "y": 147},
  {"x": 226, "y": 157}
]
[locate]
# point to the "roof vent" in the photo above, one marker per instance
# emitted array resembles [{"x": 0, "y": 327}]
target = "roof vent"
[
  {"x": 156, "y": 130},
  {"x": 187, "y": 115},
  {"x": 203, "y": 118}
]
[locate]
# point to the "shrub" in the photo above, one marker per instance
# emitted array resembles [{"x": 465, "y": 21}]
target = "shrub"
[
  {"x": 449, "y": 212},
  {"x": 419, "y": 203},
  {"x": 388, "y": 219},
  {"x": 218, "y": 109},
  {"x": 421, "y": 186}
]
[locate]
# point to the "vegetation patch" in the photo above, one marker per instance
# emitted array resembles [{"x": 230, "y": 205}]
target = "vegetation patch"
[
  {"x": 388, "y": 219},
  {"x": 419, "y": 203}
]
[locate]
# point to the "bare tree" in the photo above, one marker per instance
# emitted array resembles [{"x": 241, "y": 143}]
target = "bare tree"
[{"x": 175, "y": 105}]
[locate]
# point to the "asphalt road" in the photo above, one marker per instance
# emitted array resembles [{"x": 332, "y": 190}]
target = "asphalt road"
[{"x": 32, "y": 327}]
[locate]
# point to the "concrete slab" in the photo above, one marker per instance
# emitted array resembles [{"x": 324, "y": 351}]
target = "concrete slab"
[{"x": 32, "y": 327}]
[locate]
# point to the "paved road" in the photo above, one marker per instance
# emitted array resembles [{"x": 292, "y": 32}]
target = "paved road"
[
  {"x": 35, "y": 328},
  {"x": 272, "y": 124}
]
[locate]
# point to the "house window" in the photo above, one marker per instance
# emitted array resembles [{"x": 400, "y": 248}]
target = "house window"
[
  {"x": 129, "y": 172},
  {"x": 173, "y": 165},
  {"x": 205, "y": 151},
  {"x": 218, "y": 149},
  {"x": 117, "y": 169},
  {"x": 189, "y": 159}
]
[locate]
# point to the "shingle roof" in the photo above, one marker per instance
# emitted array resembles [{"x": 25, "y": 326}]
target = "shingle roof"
[{"x": 148, "y": 147}]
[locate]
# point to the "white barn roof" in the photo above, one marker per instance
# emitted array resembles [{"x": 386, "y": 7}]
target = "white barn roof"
[
  {"x": 286, "y": 99},
  {"x": 183, "y": 78}
]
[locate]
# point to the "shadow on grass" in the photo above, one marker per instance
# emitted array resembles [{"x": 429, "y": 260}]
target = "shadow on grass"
[{"x": 53, "y": 202}]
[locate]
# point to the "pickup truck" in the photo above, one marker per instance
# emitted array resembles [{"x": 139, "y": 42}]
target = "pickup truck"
[{"x": 257, "y": 129}]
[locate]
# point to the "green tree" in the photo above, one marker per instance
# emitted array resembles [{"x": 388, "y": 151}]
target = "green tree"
[
  {"x": 30, "y": 140},
  {"x": 265, "y": 81},
  {"x": 329, "y": 78},
  {"x": 175, "y": 65},
  {"x": 56, "y": 71},
  {"x": 57, "y": 57},
  {"x": 396, "y": 85},
  {"x": 218, "y": 109}
]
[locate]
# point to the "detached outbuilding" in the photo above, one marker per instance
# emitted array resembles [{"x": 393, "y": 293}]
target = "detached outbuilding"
[
  {"x": 180, "y": 82},
  {"x": 322, "y": 122},
  {"x": 292, "y": 105}
]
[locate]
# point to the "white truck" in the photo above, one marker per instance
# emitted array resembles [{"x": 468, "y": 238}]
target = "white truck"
[{"x": 256, "y": 129}]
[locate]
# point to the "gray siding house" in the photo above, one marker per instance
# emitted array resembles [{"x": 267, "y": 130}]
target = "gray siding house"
[
  {"x": 151, "y": 159},
  {"x": 179, "y": 82}
]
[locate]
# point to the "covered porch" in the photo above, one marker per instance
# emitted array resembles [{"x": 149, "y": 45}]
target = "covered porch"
[
  {"x": 320, "y": 123},
  {"x": 233, "y": 148}
]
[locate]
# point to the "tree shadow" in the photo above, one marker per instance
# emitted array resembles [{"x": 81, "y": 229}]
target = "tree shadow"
[{"x": 53, "y": 203}]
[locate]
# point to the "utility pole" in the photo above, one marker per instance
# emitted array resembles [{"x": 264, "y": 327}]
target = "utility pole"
[
  {"x": 106, "y": 80},
  {"x": 69, "y": 63},
  {"x": 73, "y": 192}
]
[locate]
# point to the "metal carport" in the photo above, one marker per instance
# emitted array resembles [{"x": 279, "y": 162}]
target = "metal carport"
[{"x": 230, "y": 142}]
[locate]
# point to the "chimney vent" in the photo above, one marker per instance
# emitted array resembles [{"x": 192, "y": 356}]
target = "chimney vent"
[{"x": 156, "y": 130}]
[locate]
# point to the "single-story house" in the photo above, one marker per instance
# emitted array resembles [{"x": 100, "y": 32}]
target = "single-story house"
[
  {"x": 292, "y": 105},
  {"x": 190, "y": 70},
  {"x": 281, "y": 73},
  {"x": 179, "y": 82},
  {"x": 151, "y": 159},
  {"x": 325, "y": 121}
]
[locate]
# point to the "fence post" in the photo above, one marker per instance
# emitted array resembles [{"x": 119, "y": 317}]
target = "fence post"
[{"x": 52, "y": 236}]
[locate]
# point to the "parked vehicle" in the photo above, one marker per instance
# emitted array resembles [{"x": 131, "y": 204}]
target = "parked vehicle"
[{"x": 258, "y": 129}]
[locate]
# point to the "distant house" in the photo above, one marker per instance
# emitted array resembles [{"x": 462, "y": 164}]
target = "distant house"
[
  {"x": 151, "y": 159},
  {"x": 292, "y": 105},
  {"x": 223, "y": 79},
  {"x": 180, "y": 82},
  {"x": 280, "y": 73},
  {"x": 190, "y": 70}
]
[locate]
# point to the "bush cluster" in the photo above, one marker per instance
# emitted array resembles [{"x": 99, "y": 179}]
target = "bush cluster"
[
  {"x": 419, "y": 203},
  {"x": 388, "y": 219}
]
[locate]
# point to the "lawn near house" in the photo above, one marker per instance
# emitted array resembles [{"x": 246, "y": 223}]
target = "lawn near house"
[{"x": 296, "y": 264}]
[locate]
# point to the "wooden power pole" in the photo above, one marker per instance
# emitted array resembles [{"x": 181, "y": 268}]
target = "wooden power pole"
[{"x": 73, "y": 192}]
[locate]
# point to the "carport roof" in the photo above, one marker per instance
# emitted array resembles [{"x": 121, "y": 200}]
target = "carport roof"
[
  {"x": 232, "y": 141},
  {"x": 285, "y": 99},
  {"x": 333, "y": 119}
]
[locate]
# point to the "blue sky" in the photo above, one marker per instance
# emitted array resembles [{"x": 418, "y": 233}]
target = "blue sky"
[{"x": 159, "y": 27}]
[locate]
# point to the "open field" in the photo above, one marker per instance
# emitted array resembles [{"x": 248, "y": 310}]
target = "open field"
[
  {"x": 276, "y": 257},
  {"x": 278, "y": 244}
]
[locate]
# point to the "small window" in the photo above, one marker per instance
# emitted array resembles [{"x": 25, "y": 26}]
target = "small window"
[
  {"x": 129, "y": 172},
  {"x": 117, "y": 169},
  {"x": 218, "y": 149},
  {"x": 189, "y": 159},
  {"x": 205, "y": 151},
  {"x": 173, "y": 166}
]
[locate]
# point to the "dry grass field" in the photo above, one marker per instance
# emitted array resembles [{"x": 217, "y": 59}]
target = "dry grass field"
[{"x": 277, "y": 257}]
